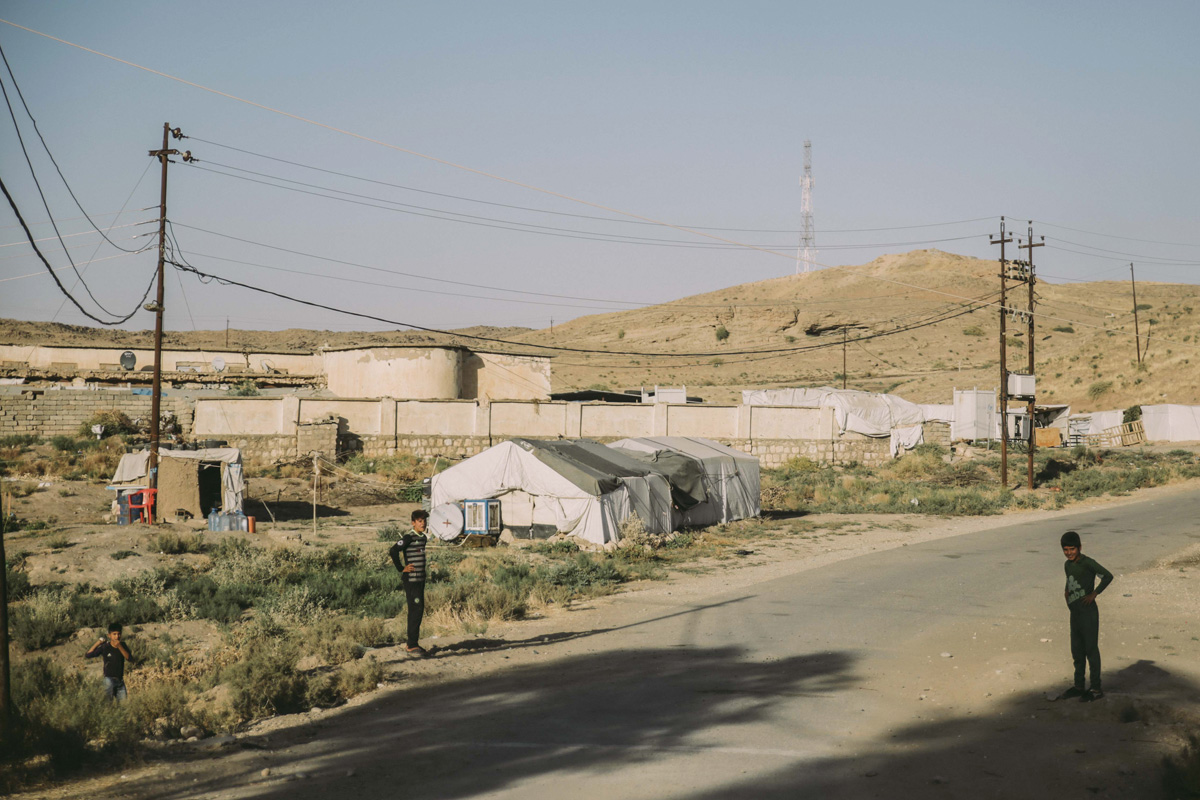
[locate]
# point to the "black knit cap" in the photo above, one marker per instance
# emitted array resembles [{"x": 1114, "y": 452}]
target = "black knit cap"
[{"x": 1070, "y": 539}]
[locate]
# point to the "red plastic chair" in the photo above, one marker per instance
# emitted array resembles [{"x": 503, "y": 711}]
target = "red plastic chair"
[{"x": 146, "y": 505}]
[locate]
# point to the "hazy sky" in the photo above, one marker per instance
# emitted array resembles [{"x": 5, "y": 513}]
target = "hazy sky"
[{"x": 1078, "y": 116}]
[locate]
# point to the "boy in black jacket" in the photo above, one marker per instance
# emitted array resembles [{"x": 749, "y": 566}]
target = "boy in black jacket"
[
  {"x": 1080, "y": 595},
  {"x": 408, "y": 554}
]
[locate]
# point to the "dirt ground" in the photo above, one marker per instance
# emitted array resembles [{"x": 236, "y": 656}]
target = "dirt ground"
[{"x": 1159, "y": 606}]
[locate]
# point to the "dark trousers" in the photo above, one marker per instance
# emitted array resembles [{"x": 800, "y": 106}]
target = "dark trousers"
[
  {"x": 414, "y": 593},
  {"x": 1085, "y": 642}
]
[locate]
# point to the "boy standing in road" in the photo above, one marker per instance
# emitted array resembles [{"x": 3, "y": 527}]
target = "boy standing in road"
[
  {"x": 408, "y": 554},
  {"x": 1080, "y": 595},
  {"x": 115, "y": 654}
]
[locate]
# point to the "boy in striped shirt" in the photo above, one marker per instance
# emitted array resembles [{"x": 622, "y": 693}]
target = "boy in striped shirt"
[{"x": 408, "y": 555}]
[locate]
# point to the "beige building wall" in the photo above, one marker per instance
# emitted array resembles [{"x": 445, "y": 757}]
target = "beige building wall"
[
  {"x": 495, "y": 376},
  {"x": 41, "y": 356},
  {"x": 622, "y": 420},
  {"x": 363, "y": 417},
  {"x": 428, "y": 418},
  {"x": 526, "y": 418},
  {"x": 713, "y": 422},
  {"x": 241, "y": 416},
  {"x": 418, "y": 373},
  {"x": 785, "y": 422}
]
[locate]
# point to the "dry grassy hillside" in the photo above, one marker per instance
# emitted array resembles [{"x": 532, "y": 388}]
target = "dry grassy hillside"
[{"x": 909, "y": 332}]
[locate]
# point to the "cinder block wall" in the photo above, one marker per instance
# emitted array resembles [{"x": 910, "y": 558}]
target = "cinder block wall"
[{"x": 62, "y": 412}]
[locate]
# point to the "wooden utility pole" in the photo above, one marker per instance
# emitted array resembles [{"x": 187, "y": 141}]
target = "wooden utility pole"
[
  {"x": 5, "y": 693},
  {"x": 163, "y": 156},
  {"x": 1137, "y": 337},
  {"x": 1003, "y": 399},
  {"x": 844, "y": 356},
  {"x": 1032, "y": 279}
]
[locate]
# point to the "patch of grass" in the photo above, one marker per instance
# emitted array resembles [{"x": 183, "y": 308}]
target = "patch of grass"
[
  {"x": 16, "y": 582},
  {"x": 173, "y": 544},
  {"x": 972, "y": 330},
  {"x": 1098, "y": 389},
  {"x": 1063, "y": 329},
  {"x": 722, "y": 333},
  {"x": 122, "y": 554},
  {"x": 18, "y": 440}
]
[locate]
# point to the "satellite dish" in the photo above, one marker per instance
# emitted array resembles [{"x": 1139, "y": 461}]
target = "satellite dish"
[
  {"x": 218, "y": 364},
  {"x": 445, "y": 522},
  {"x": 128, "y": 360}
]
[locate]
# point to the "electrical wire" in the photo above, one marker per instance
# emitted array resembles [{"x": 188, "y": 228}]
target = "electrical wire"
[
  {"x": 563, "y": 213},
  {"x": 46, "y": 147},
  {"x": 57, "y": 282}
]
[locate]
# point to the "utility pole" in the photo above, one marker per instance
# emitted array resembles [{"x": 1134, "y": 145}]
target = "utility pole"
[
  {"x": 5, "y": 693},
  {"x": 1029, "y": 245},
  {"x": 806, "y": 253},
  {"x": 843, "y": 356},
  {"x": 1003, "y": 399},
  {"x": 1137, "y": 337},
  {"x": 163, "y": 156}
]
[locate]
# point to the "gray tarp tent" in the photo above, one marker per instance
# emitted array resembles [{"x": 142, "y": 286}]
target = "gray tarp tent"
[{"x": 731, "y": 478}]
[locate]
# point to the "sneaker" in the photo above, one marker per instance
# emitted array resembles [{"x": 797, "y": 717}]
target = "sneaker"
[
  {"x": 1074, "y": 691},
  {"x": 1090, "y": 695},
  {"x": 417, "y": 651}
]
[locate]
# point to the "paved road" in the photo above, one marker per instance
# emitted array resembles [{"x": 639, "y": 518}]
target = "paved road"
[{"x": 826, "y": 683}]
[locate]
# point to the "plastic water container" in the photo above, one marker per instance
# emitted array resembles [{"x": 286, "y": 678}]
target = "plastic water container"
[
  {"x": 214, "y": 520},
  {"x": 240, "y": 522}
]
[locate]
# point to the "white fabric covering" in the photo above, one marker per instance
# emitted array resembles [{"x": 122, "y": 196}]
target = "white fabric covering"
[
  {"x": 1170, "y": 422},
  {"x": 858, "y": 412},
  {"x": 1103, "y": 420}
]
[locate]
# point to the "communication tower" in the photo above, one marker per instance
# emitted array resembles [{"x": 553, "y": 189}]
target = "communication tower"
[{"x": 806, "y": 254}]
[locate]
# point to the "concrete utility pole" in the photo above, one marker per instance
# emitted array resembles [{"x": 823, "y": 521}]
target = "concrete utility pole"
[
  {"x": 163, "y": 156},
  {"x": 1137, "y": 337},
  {"x": 843, "y": 356},
  {"x": 806, "y": 254},
  {"x": 1003, "y": 399},
  {"x": 1032, "y": 279}
]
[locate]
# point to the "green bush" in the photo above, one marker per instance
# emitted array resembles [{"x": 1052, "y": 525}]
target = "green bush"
[
  {"x": 1132, "y": 414},
  {"x": 1099, "y": 389},
  {"x": 245, "y": 388},
  {"x": 16, "y": 582},
  {"x": 115, "y": 423},
  {"x": 265, "y": 682},
  {"x": 973, "y": 330},
  {"x": 1063, "y": 329},
  {"x": 722, "y": 333},
  {"x": 42, "y": 620},
  {"x": 18, "y": 440}
]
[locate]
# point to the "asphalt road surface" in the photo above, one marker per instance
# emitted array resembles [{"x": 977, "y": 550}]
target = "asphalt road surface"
[{"x": 920, "y": 671}]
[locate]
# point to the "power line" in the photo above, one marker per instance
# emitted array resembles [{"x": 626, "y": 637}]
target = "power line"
[
  {"x": 46, "y": 147},
  {"x": 50, "y": 269},
  {"x": 557, "y": 213}
]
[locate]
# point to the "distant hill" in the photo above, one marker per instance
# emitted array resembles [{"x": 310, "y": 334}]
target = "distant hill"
[{"x": 908, "y": 327}]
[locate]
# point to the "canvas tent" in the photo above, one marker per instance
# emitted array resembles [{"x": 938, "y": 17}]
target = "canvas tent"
[
  {"x": 192, "y": 481},
  {"x": 585, "y": 489},
  {"x": 731, "y": 477}
]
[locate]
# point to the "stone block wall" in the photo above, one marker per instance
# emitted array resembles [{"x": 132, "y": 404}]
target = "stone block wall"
[
  {"x": 267, "y": 449},
  {"x": 777, "y": 452},
  {"x": 937, "y": 433},
  {"x": 319, "y": 436},
  {"x": 46, "y": 413}
]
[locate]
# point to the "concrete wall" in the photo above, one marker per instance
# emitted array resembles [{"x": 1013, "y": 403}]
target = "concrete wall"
[
  {"x": 41, "y": 356},
  {"x": 50, "y": 412},
  {"x": 278, "y": 428},
  {"x": 426, "y": 373},
  {"x": 495, "y": 376}
]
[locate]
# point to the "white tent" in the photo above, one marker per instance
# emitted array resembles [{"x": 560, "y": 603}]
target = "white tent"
[
  {"x": 731, "y": 478},
  {"x": 1100, "y": 421},
  {"x": 1170, "y": 422},
  {"x": 572, "y": 487}
]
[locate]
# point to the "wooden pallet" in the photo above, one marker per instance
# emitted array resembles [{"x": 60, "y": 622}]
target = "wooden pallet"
[{"x": 1130, "y": 433}]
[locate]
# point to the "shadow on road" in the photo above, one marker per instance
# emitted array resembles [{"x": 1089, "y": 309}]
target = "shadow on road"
[{"x": 597, "y": 712}]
